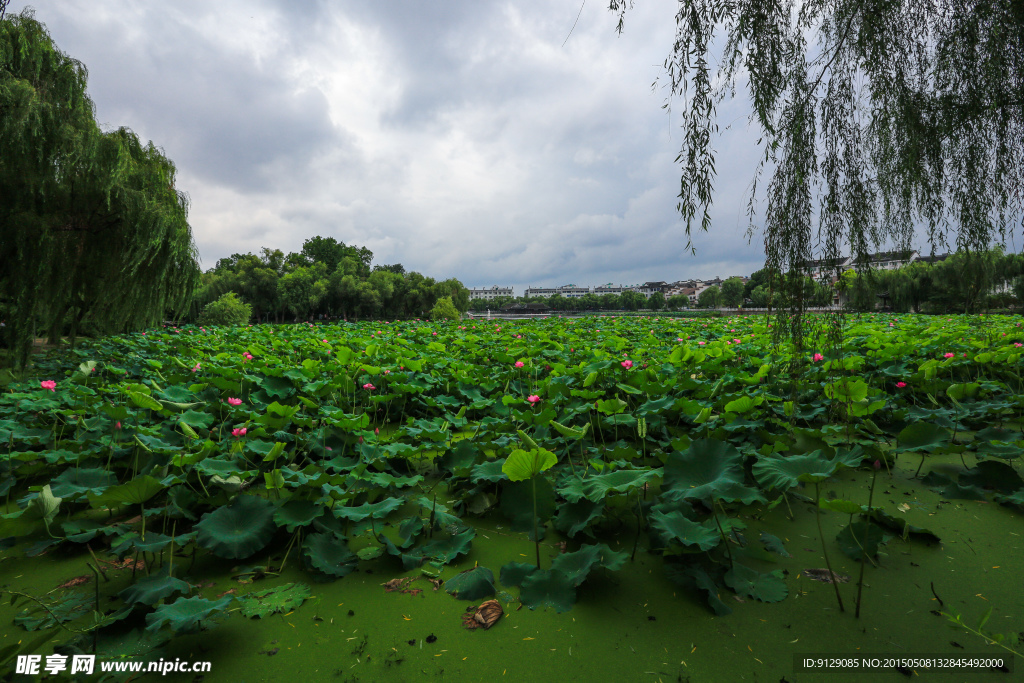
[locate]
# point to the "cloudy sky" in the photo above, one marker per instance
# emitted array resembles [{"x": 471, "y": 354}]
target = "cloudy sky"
[{"x": 461, "y": 139}]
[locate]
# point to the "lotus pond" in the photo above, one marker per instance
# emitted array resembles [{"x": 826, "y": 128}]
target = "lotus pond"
[{"x": 594, "y": 499}]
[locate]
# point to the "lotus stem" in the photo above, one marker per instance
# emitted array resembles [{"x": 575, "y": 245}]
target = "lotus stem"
[
  {"x": 725, "y": 541},
  {"x": 824, "y": 550},
  {"x": 536, "y": 537},
  {"x": 867, "y": 531}
]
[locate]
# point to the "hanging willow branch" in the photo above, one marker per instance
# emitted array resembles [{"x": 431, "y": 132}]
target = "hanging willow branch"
[
  {"x": 877, "y": 116},
  {"x": 94, "y": 231}
]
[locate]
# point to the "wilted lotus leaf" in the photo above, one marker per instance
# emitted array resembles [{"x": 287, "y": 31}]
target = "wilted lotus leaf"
[
  {"x": 274, "y": 600},
  {"x": 823, "y": 576},
  {"x": 484, "y": 616},
  {"x": 471, "y": 584},
  {"x": 185, "y": 615},
  {"x": 238, "y": 529}
]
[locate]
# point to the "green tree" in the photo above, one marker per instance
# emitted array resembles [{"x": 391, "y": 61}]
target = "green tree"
[
  {"x": 632, "y": 301},
  {"x": 710, "y": 297},
  {"x": 656, "y": 302},
  {"x": 94, "y": 232},
  {"x": 444, "y": 309},
  {"x": 303, "y": 289},
  {"x": 732, "y": 292},
  {"x": 227, "y": 310},
  {"x": 677, "y": 301}
]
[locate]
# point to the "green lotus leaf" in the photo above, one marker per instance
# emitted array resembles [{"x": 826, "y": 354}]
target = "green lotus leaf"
[
  {"x": 785, "y": 473},
  {"x": 522, "y": 465},
  {"x": 471, "y": 584},
  {"x": 702, "y": 581},
  {"x": 548, "y": 587},
  {"x": 577, "y": 565},
  {"x": 446, "y": 550},
  {"x": 83, "y": 530},
  {"x": 674, "y": 526},
  {"x": 1015, "y": 498},
  {"x": 611, "y": 407},
  {"x": 186, "y": 615},
  {"x": 994, "y": 475},
  {"x": 370, "y": 552},
  {"x": 152, "y": 589},
  {"x": 514, "y": 573},
  {"x": 596, "y": 487},
  {"x": 743, "y": 404},
  {"x": 959, "y": 392},
  {"x": 143, "y": 401},
  {"x": 46, "y": 504},
  {"x": 774, "y": 544},
  {"x": 154, "y": 543},
  {"x": 329, "y": 554},
  {"x": 296, "y": 513},
  {"x": 922, "y": 436},
  {"x": 135, "y": 492},
  {"x": 275, "y": 600},
  {"x": 764, "y": 587},
  {"x": 460, "y": 458},
  {"x": 378, "y": 510},
  {"x": 576, "y": 517},
  {"x": 74, "y": 482},
  {"x": 705, "y": 469},
  {"x": 196, "y": 419},
  {"x": 859, "y": 540},
  {"x": 488, "y": 471},
  {"x": 239, "y": 529},
  {"x": 518, "y": 506},
  {"x": 960, "y": 492}
]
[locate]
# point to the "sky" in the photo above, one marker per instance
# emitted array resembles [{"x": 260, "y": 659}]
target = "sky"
[{"x": 495, "y": 142}]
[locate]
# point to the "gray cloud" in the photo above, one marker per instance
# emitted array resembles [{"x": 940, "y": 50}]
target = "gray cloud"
[{"x": 460, "y": 139}]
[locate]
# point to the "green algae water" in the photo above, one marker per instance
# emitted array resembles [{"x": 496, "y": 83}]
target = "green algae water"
[{"x": 630, "y": 625}]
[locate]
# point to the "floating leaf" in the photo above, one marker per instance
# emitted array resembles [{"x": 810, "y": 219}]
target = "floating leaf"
[
  {"x": 548, "y": 587},
  {"x": 329, "y": 554},
  {"x": 274, "y": 600}
]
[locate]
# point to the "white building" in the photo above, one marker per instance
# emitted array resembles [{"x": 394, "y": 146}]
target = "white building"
[
  {"x": 490, "y": 293},
  {"x": 609, "y": 288}
]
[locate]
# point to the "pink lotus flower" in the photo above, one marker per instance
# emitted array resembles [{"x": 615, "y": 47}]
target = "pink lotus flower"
[
  {"x": 238, "y": 432},
  {"x": 1018, "y": 344},
  {"x": 369, "y": 387},
  {"x": 196, "y": 367},
  {"x": 627, "y": 364},
  {"x": 818, "y": 357},
  {"x": 519, "y": 363},
  {"x": 700, "y": 343},
  {"x": 234, "y": 401},
  {"x": 735, "y": 341},
  {"x": 900, "y": 385},
  {"x": 117, "y": 426},
  {"x": 949, "y": 355},
  {"x": 247, "y": 355},
  {"x": 534, "y": 398},
  {"x": 48, "y": 384}
]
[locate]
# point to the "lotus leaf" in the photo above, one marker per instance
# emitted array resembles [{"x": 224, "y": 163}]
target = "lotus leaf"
[
  {"x": 514, "y": 573},
  {"x": 75, "y": 482},
  {"x": 517, "y": 503},
  {"x": 471, "y": 584},
  {"x": 548, "y": 587},
  {"x": 152, "y": 589},
  {"x": 185, "y": 615},
  {"x": 239, "y": 529},
  {"x": 274, "y": 600},
  {"x": 522, "y": 465},
  {"x": 297, "y": 513},
  {"x": 62, "y": 610},
  {"x": 674, "y": 526},
  {"x": 329, "y": 554},
  {"x": 860, "y": 540},
  {"x": 922, "y": 436},
  {"x": 991, "y": 474},
  {"x": 595, "y": 488},
  {"x": 785, "y": 473},
  {"x": 764, "y": 587},
  {"x": 705, "y": 469},
  {"x": 135, "y": 492},
  {"x": 378, "y": 510},
  {"x": 577, "y": 565},
  {"x": 774, "y": 544},
  {"x": 576, "y": 517}
]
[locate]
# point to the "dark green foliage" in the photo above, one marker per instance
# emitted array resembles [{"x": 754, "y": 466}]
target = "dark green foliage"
[
  {"x": 94, "y": 231},
  {"x": 471, "y": 584},
  {"x": 227, "y": 310}
]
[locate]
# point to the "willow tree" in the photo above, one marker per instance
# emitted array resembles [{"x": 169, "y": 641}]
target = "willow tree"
[
  {"x": 875, "y": 117},
  {"x": 93, "y": 229}
]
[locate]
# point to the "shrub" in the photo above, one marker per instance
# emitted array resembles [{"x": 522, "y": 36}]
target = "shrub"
[
  {"x": 444, "y": 309},
  {"x": 227, "y": 310}
]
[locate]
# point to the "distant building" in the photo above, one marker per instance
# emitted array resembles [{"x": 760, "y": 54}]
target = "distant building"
[
  {"x": 491, "y": 292},
  {"x": 649, "y": 288},
  {"x": 540, "y": 291},
  {"x": 609, "y": 288}
]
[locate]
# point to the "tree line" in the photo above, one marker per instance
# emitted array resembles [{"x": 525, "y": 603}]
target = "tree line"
[{"x": 326, "y": 278}]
